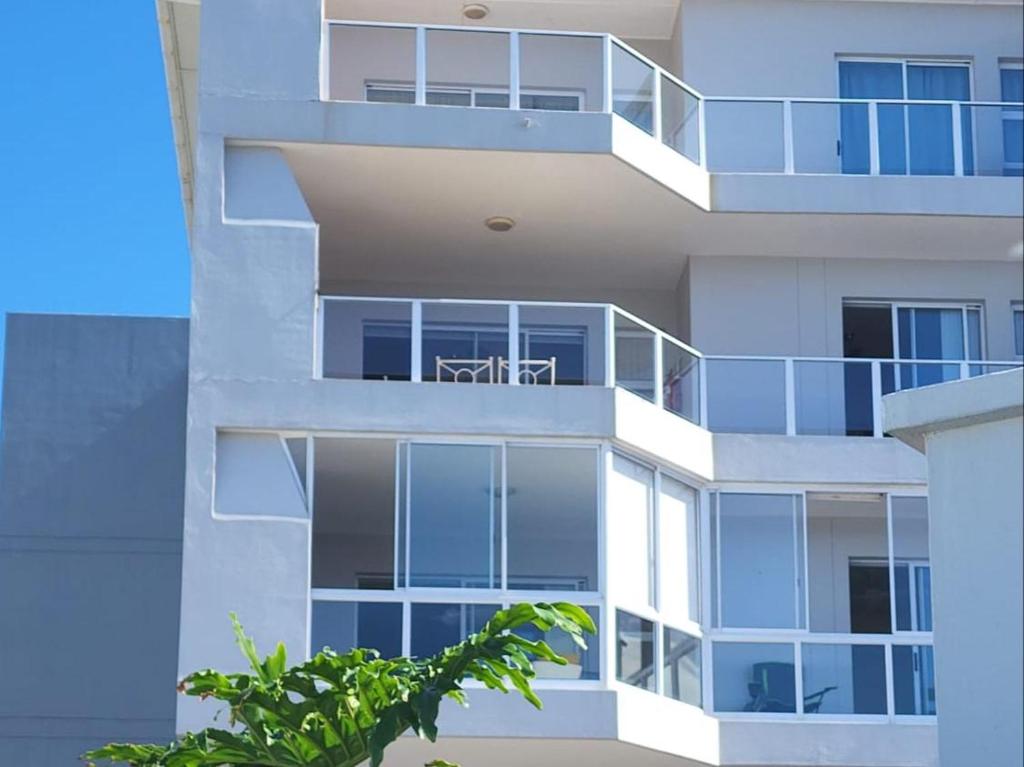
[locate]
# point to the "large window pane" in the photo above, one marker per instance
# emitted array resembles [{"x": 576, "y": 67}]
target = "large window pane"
[
  {"x": 630, "y": 511},
  {"x": 913, "y": 671},
  {"x": 368, "y": 340},
  {"x": 680, "y": 381},
  {"x": 454, "y": 509},
  {"x": 746, "y": 396},
  {"x": 847, "y": 555},
  {"x": 911, "y": 566},
  {"x": 844, "y": 679},
  {"x": 754, "y": 677},
  {"x": 552, "y": 518},
  {"x": 561, "y": 344},
  {"x": 678, "y": 539},
  {"x": 581, "y": 664},
  {"x": 436, "y": 626},
  {"x": 872, "y": 80},
  {"x": 633, "y": 88},
  {"x": 682, "y": 666},
  {"x": 464, "y": 342},
  {"x": 761, "y": 560},
  {"x": 634, "y": 357},
  {"x": 354, "y": 513},
  {"x": 343, "y": 626},
  {"x": 634, "y": 648}
]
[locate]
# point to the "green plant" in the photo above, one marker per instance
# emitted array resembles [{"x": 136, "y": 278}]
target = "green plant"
[{"x": 340, "y": 710}]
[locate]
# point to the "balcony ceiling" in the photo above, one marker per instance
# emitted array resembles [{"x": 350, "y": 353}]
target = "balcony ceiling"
[
  {"x": 582, "y": 220},
  {"x": 648, "y": 19}
]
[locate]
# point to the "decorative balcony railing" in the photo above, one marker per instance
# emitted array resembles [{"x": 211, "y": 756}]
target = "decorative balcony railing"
[{"x": 546, "y": 70}]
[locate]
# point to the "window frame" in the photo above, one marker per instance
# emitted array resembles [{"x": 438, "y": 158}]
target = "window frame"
[{"x": 1010, "y": 115}]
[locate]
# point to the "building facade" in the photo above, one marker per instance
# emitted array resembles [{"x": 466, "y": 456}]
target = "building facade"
[{"x": 594, "y": 301}]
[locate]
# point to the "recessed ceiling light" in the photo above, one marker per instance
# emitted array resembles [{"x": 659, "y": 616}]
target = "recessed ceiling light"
[
  {"x": 475, "y": 11},
  {"x": 499, "y": 223}
]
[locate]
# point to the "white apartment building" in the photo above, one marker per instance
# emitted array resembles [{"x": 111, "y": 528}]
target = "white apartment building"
[{"x": 593, "y": 300}]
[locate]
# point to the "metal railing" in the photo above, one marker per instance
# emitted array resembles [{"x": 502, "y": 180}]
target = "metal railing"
[
  {"x": 429, "y": 65},
  {"x": 593, "y": 344}
]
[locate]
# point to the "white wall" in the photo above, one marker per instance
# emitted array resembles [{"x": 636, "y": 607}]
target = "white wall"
[{"x": 793, "y": 306}]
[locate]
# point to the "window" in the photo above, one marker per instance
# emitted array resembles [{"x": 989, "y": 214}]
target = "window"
[
  {"x": 915, "y": 138},
  {"x": 580, "y": 663},
  {"x": 1012, "y": 81},
  {"x": 630, "y": 510},
  {"x": 634, "y": 651},
  {"x": 682, "y": 679},
  {"x": 436, "y": 626},
  {"x": 757, "y": 677},
  {"x": 464, "y": 97},
  {"x": 343, "y": 626},
  {"x": 678, "y": 541},
  {"x": 1018, "y": 329},
  {"x": 760, "y": 553}
]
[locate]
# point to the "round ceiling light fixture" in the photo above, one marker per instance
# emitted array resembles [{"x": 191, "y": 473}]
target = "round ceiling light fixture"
[
  {"x": 499, "y": 223},
  {"x": 475, "y": 11}
]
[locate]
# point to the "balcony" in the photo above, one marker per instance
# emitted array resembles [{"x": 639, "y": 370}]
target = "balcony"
[
  {"x": 552, "y": 344},
  {"x": 540, "y": 71}
]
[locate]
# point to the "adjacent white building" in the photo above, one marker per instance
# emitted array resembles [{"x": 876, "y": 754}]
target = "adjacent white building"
[{"x": 595, "y": 300}]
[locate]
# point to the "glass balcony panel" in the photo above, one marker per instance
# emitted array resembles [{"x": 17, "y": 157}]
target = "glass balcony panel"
[
  {"x": 581, "y": 664},
  {"x": 745, "y": 136},
  {"x": 682, "y": 680},
  {"x": 353, "y": 513},
  {"x": 680, "y": 382},
  {"x": 848, "y": 563},
  {"x": 754, "y": 677},
  {"x": 372, "y": 64},
  {"x": 760, "y": 545},
  {"x": 367, "y": 340},
  {"x": 552, "y": 518},
  {"x": 982, "y": 370},
  {"x": 634, "y": 357},
  {"x": 634, "y": 651},
  {"x": 843, "y": 679},
  {"x": 454, "y": 509},
  {"x": 911, "y": 564},
  {"x": 833, "y": 398},
  {"x": 632, "y": 89},
  {"x": 436, "y": 626},
  {"x": 998, "y": 136},
  {"x": 899, "y": 376},
  {"x": 816, "y": 138},
  {"x": 467, "y": 68},
  {"x": 930, "y": 135},
  {"x": 746, "y": 396},
  {"x": 561, "y": 73},
  {"x": 344, "y": 626},
  {"x": 913, "y": 671},
  {"x": 465, "y": 343},
  {"x": 680, "y": 119},
  {"x": 562, "y": 345}
]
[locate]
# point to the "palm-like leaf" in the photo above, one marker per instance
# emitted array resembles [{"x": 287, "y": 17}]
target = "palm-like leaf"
[{"x": 340, "y": 710}]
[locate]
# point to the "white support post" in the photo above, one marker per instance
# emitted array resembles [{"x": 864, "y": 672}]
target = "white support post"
[
  {"x": 659, "y": 371},
  {"x": 890, "y": 693},
  {"x": 656, "y": 106},
  {"x": 609, "y": 87},
  {"x": 702, "y": 385},
  {"x": 965, "y": 371},
  {"x": 798, "y": 658},
  {"x": 416, "y": 374},
  {"x": 702, "y": 133},
  {"x": 958, "y": 139},
  {"x": 513, "y": 70},
  {"x": 609, "y": 347},
  {"x": 875, "y": 163},
  {"x": 790, "y": 397},
  {"x": 787, "y": 137},
  {"x": 421, "y": 65},
  {"x": 513, "y": 345},
  {"x": 876, "y": 397}
]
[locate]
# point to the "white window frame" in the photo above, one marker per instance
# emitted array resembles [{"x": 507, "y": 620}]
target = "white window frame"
[
  {"x": 904, "y": 63},
  {"x": 474, "y": 90},
  {"x": 1014, "y": 115},
  {"x": 963, "y": 306}
]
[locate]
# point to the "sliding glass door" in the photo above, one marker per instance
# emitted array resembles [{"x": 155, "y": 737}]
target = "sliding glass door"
[{"x": 912, "y": 138}]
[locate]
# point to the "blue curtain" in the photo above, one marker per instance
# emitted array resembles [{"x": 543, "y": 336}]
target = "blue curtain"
[
  {"x": 871, "y": 80},
  {"x": 1013, "y": 127},
  {"x": 931, "y": 128}
]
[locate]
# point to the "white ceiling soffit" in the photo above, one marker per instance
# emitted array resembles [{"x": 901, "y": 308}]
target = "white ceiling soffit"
[{"x": 648, "y": 19}]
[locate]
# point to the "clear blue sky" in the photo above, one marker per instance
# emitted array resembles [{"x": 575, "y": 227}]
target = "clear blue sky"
[{"x": 90, "y": 210}]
